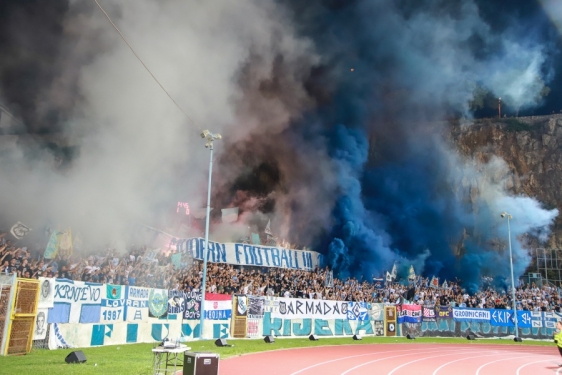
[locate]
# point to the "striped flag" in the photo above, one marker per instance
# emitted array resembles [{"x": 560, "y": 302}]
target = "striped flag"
[{"x": 428, "y": 314}]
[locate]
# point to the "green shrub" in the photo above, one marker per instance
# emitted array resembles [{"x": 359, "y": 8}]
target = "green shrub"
[{"x": 515, "y": 125}]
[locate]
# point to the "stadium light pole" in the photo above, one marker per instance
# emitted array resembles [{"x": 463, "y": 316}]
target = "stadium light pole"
[
  {"x": 210, "y": 138},
  {"x": 509, "y": 217}
]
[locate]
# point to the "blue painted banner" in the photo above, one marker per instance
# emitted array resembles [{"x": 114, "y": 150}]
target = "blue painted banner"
[
  {"x": 524, "y": 319},
  {"x": 502, "y": 318}
]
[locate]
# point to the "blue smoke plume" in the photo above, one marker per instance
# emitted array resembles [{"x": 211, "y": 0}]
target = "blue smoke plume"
[
  {"x": 402, "y": 193},
  {"x": 361, "y": 167}
]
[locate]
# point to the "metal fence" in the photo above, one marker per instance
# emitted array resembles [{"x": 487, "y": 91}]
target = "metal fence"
[{"x": 546, "y": 264}]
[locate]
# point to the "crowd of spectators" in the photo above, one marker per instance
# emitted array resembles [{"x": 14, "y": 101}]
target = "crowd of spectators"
[{"x": 138, "y": 267}]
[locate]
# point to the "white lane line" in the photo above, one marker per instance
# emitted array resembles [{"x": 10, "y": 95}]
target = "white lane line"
[
  {"x": 342, "y": 358},
  {"x": 499, "y": 360},
  {"x": 530, "y": 363},
  {"x": 351, "y": 356},
  {"x": 463, "y": 359},
  {"x": 394, "y": 351},
  {"x": 402, "y": 355},
  {"x": 418, "y": 360}
]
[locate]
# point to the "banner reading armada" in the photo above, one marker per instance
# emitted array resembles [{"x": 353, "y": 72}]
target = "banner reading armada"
[{"x": 293, "y": 308}]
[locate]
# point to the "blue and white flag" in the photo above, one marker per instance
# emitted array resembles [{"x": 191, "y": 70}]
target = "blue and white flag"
[{"x": 357, "y": 311}]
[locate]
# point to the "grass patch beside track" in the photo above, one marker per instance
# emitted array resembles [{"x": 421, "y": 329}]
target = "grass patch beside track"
[{"x": 137, "y": 359}]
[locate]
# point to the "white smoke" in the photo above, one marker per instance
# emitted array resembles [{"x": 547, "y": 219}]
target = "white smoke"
[{"x": 138, "y": 151}]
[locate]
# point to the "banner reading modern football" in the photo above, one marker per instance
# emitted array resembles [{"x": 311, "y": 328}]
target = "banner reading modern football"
[{"x": 248, "y": 254}]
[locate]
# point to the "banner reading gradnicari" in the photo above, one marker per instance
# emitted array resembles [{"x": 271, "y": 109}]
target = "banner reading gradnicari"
[{"x": 249, "y": 255}]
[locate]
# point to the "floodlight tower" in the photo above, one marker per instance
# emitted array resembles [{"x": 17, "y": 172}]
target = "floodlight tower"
[
  {"x": 210, "y": 138},
  {"x": 509, "y": 217}
]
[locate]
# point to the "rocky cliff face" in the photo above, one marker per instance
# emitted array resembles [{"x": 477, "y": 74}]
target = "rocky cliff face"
[{"x": 532, "y": 149}]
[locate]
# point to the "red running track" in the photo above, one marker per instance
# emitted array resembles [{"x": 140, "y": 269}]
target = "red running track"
[{"x": 399, "y": 359}]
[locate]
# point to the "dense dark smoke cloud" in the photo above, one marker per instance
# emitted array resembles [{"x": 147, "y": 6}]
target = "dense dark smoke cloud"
[
  {"x": 394, "y": 187},
  {"x": 331, "y": 114},
  {"x": 26, "y": 69},
  {"x": 43, "y": 51}
]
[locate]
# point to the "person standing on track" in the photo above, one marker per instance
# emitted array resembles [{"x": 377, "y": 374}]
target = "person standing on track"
[{"x": 558, "y": 337}]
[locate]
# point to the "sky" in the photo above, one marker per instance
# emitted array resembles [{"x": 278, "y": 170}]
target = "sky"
[{"x": 329, "y": 112}]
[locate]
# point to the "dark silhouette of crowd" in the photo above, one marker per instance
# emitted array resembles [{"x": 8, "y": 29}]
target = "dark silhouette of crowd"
[{"x": 138, "y": 267}]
